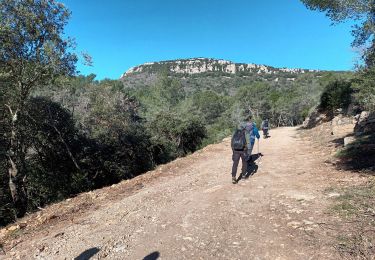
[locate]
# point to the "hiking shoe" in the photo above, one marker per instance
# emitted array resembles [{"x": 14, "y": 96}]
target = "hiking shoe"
[
  {"x": 244, "y": 175},
  {"x": 234, "y": 181}
]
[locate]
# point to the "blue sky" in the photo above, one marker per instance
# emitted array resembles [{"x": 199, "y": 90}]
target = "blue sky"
[{"x": 119, "y": 34}]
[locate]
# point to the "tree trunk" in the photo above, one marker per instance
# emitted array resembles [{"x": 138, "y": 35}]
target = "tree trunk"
[
  {"x": 17, "y": 189},
  {"x": 16, "y": 181}
]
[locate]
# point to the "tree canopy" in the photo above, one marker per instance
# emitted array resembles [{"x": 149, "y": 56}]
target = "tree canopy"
[
  {"x": 361, "y": 11},
  {"x": 33, "y": 54}
]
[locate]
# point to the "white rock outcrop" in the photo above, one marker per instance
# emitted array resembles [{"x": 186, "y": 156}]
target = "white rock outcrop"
[{"x": 202, "y": 65}]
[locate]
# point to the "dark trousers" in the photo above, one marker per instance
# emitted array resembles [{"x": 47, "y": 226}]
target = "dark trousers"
[{"x": 236, "y": 159}]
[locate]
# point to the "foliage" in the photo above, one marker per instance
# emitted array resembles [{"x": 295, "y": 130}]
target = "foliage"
[
  {"x": 337, "y": 94},
  {"x": 361, "y": 11},
  {"x": 51, "y": 160},
  {"x": 364, "y": 31},
  {"x": 62, "y": 160},
  {"x": 284, "y": 105},
  {"x": 176, "y": 136},
  {"x": 174, "y": 128},
  {"x": 364, "y": 84},
  {"x": 6, "y": 205},
  {"x": 32, "y": 54},
  {"x": 209, "y": 104}
]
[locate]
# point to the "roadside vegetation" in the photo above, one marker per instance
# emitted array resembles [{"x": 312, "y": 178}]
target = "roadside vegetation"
[
  {"x": 355, "y": 206},
  {"x": 357, "y": 94}
]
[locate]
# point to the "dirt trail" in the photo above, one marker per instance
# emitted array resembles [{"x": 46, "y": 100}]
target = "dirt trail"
[{"x": 189, "y": 209}]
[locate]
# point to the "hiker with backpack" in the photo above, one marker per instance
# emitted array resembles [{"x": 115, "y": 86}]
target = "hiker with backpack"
[
  {"x": 239, "y": 148},
  {"x": 242, "y": 144},
  {"x": 265, "y": 128},
  {"x": 252, "y": 132}
]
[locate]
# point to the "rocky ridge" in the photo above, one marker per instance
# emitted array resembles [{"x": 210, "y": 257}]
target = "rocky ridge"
[{"x": 203, "y": 65}]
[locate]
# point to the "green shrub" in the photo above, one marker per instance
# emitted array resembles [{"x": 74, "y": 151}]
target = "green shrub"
[
  {"x": 365, "y": 89},
  {"x": 337, "y": 94}
]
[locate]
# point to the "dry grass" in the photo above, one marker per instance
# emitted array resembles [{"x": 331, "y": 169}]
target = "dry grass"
[
  {"x": 352, "y": 224},
  {"x": 355, "y": 236}
]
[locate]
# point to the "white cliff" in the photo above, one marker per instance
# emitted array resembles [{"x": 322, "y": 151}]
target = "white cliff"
[{"x": 203, "y": 65}]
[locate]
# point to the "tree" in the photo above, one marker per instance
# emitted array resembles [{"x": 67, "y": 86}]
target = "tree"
[
  {"x": 358, "y": 10},
  {"x": 53, "y": 145},
  {"x": 362, "y": 11},
  {"x": 255, "y": 98},
  {"x": 178, "y": 134},
  {"x": 209, "y": 104},
  {"x": 170, "y": 91},
  {"x": 336, "y": 95},
  {"x": 32, "y": 54},
  {"x": 364, "y": 86}
]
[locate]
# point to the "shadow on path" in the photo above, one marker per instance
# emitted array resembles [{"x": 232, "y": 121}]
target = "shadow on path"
[
  {"x": 87, "y": 254},
  {"x": 153, "y": 256},
  {"x": 255, "y": 157},
  {"x": 252, "y": 167}
]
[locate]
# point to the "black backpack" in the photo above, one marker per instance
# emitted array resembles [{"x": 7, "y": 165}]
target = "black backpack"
[{"x": 239, "y": 140}]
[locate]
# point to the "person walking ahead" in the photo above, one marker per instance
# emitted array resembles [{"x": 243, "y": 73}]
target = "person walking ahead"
[
  {"x": 252, "y": 132},
  {"x": 265, "y": 128},
  {"x": 239, "y": 148}
]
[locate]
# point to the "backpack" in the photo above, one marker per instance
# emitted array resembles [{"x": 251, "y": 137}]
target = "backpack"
[
  {"x": 239, "y": 140},
  {"x": 250, "y": 128}
]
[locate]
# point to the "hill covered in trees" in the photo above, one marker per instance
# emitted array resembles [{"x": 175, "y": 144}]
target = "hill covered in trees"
[
  {"x": 219, "y": 75},
  {"x": 284, "y": 95}
]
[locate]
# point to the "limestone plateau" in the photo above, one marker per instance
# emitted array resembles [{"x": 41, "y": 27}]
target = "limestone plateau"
[{"x": 207, "y": 65}]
